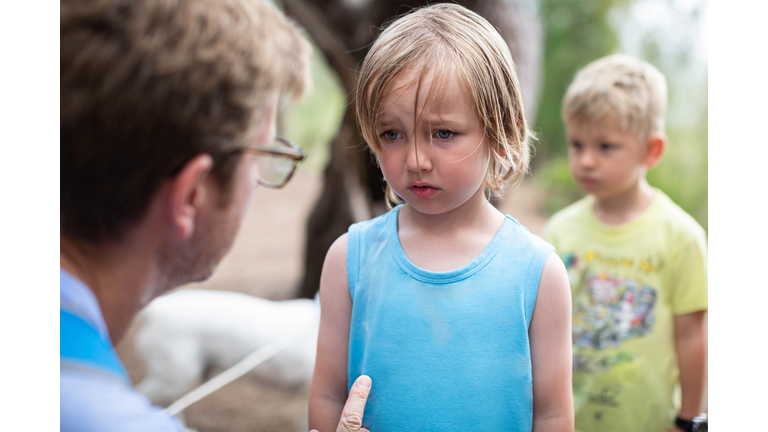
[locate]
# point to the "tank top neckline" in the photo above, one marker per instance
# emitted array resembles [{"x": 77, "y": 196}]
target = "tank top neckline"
[{"x": 449, "y": 276}]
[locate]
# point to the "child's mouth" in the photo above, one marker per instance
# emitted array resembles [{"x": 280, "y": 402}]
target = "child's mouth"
[{"x": 423, "y": 191}]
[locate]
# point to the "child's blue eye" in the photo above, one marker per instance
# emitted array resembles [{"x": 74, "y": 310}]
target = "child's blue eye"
[
  {"x": 606, "y": 146},
  {"x": 390, "y": 135},
  {"x": 576, "y": 145},
  {"x": 445, "y": 134}
]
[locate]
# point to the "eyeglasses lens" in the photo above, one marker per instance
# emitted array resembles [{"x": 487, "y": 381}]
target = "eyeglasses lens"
[{"x": 275, "y": 170}]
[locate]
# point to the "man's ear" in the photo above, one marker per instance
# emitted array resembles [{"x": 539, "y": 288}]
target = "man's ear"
[
  {"x": 187, "y": 194},
  {"x": 656, "y": 146}
]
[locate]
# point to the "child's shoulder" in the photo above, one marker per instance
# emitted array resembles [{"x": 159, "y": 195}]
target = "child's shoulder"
[
  {"x": 375, "y": 228},
  {"x": 678, "y": 222},
  {"x": 520, "y": 234},
  {"x": 378, "y": 221}
]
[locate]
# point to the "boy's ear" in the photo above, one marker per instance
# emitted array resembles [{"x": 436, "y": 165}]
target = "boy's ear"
[
  {"x": 656, "y": 146},
  {"x": 188, "y": 194}
]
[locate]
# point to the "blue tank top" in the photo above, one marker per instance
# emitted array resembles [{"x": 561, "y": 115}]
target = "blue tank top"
[{"x": 447, "y": 351}]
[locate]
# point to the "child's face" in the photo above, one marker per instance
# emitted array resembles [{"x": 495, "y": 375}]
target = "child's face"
[
  {"x": 439, "y": 164},
  {"x": 605, "y": 160}
]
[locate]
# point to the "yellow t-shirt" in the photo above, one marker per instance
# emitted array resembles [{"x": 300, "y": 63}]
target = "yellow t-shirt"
[{"x": 628, "y": 281}]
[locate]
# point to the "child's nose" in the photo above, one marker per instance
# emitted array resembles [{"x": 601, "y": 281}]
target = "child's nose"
[
  {"x": 587, "y": 159},
  {"x": 417, "y": 159}
]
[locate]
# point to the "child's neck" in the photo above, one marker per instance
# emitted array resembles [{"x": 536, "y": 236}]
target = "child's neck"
[
  {"x": 626, "y": 206},
  {"x": 449, "y": 240},
  {"x": 476, "y": 214}
]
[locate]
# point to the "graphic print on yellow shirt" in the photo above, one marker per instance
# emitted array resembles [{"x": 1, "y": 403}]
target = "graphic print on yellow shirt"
[
  {"x": 607, "y": 308},
  {"x": 627, "y": 283},
  {"x": 610, "y": 306}
]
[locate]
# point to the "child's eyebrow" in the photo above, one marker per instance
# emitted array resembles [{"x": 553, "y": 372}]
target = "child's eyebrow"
[
  {"x": 445, "y": 120},
  {"x": 443, "y": 115},
  {"x": 386, "y": 123},
  {"x": 387, "y": 118}
]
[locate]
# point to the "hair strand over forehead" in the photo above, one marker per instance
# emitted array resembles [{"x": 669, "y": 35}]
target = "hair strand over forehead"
[{"x": 456, "y": 46}]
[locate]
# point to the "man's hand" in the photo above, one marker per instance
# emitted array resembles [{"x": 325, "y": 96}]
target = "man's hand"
[{"x": 352, "y": 414}]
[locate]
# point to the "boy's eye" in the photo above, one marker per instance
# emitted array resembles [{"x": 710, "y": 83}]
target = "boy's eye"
[
  {"x": 390, "y": 135},
  {"x": 606, "y": 146},
  {"x": 444, "y": 134},
  {"x": 576, "y": 145}
]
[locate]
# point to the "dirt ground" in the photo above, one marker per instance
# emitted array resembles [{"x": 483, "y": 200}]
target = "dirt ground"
[{"x": 266, "y": 261}]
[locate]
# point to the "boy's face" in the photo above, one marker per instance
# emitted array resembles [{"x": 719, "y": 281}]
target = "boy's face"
[{"x": 605, "y": 161}]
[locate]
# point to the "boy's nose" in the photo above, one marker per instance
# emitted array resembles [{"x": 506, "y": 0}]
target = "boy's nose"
[
  {"x": 417, "y": 159},
  {"x": 587, "y": 159}
]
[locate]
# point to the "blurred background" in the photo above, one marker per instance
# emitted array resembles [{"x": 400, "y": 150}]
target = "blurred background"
[
  {"x": 282, "y": 242},
  {"x": 670, "y": 34}
]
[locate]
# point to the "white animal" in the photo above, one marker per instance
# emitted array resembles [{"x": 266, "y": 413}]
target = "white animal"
[{"x": 186, "y": 333}]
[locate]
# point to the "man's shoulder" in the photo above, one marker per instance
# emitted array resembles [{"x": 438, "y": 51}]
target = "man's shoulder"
[{"x": 94, "y": 402}]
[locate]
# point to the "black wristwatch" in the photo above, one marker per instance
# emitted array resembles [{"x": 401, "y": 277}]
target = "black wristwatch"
[{"x": 697, "y": 424}]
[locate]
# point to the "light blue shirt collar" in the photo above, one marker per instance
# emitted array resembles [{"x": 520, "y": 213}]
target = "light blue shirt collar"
[{"x": 77, "y": 298}]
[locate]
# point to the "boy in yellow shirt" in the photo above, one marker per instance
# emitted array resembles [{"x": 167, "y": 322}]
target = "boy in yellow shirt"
[{"x": 637, "y": 262}]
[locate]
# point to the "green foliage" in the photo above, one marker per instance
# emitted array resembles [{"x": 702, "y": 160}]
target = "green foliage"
[
  {"x": 314, "y": 122},
  {"x": 682, "y": 172},
  {"x": 555, "y": 178},
  {"x": 577, "y": 32}
]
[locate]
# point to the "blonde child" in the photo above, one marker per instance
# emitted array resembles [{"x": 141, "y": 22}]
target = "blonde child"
[
  {"x": 459, "y": 315},
  {"x": 636, "y": 261}
]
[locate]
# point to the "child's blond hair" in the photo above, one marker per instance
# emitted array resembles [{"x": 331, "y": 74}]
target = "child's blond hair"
[
  {"x": 450, "y": 41},
  {"x": 629, "y": 90}
]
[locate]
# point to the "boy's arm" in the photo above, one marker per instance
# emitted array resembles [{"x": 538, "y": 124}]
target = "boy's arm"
[
  {"x": 551, "y": 352},
  {"x": 328, "y": 393},
  {"x": 691, "y": 348}
]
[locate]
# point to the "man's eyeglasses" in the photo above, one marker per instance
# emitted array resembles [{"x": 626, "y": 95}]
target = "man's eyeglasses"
[{"x": 276, "y": 162}]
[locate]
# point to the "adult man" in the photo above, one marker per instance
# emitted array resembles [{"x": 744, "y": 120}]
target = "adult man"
[{"x": 167, "y": 125}]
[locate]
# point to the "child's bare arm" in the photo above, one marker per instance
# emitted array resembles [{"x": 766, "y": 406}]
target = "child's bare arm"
[
  {"x": 691, "y": 347},
  {"x": 551, "y": 352},
  {"x": 329, "y": 382}
]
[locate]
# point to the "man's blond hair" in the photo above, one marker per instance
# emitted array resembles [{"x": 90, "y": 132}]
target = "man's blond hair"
[
  {"x": 456, "y": 46},
  {"x": 624, "y": 88}
]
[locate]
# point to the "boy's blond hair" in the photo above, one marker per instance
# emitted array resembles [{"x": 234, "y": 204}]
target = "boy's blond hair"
[
  {"x": 629, "y": 90},
  {"x": 454, "y": 44}
]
